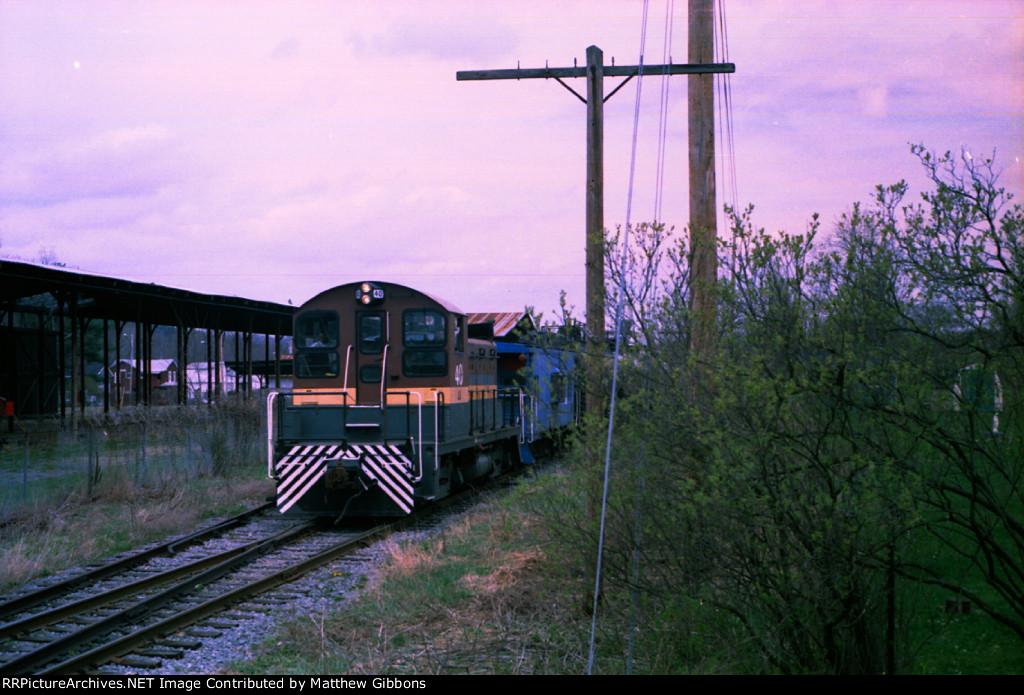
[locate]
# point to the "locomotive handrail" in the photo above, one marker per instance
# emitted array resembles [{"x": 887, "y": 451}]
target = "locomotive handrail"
[
  {"x": 438, "y": 404},
  {"x": 419, "y": 420},
  {"x": 383, "y": 376},
  {"x": 526, "y": 406},
  {"x": 271, "y": 409},
  {"x": 418, "y": 442},
  {"x": 440, "y": 428},
  {"x": 477, "y": 400},
  {"x": 271, "y": 397},
  {"x": 348, "y": 356}
]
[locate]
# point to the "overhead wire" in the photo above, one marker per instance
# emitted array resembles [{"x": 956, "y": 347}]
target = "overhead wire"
[
  {"x": 666, "y": 57},
  {"x": 724, "y": 107},
  {"x": 618, "y": 346}
]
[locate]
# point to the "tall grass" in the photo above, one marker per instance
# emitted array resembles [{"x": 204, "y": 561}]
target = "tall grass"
[
  {"x": 120, "y": 481},
  {"x": 148, "y": 446}
]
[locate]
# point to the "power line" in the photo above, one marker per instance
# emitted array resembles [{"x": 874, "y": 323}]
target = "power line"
[{"x": 618, "y": 344}]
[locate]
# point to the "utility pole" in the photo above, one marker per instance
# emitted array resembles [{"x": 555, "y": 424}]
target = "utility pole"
[
  {"x": 703, "y": 212},
  {"x": 595, "y": 72}
]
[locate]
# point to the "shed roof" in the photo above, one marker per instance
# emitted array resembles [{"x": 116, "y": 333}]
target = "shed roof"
[
  {"x": 155, "y": 366},
  {"x": 33, "y": 287},
  {"x": 505, "y": 322}
]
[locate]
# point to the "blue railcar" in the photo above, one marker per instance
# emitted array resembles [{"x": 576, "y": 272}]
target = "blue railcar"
[{"x": 547, "y": 377}]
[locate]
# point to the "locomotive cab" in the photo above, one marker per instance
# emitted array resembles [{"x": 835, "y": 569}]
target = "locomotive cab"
[{"x": 394, "y": 403}]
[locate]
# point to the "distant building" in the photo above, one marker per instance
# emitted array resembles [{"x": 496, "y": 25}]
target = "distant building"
[
  {"x": 163, "y": 380},
  {"x": 202, "y": 377}
]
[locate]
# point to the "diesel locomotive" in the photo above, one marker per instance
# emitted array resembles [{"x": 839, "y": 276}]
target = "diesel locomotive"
[{"x": 400, "y": 398}]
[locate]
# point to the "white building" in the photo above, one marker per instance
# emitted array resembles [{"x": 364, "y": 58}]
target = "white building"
[{"x": 204, "y": 376}]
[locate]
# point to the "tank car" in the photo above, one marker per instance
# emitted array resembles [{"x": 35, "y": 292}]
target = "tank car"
[{"x": 395, "y": 402}]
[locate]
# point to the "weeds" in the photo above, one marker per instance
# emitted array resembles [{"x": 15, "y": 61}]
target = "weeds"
[
  {"x": 482, "y": 597},
  {"x": 144, "y": 479},
  {"x": 51, "y": 538},
  {"x": 498, "y": 593}
]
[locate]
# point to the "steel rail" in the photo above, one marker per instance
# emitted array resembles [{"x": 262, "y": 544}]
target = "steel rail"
[
  {"x": 12, "y": 629},
  {"x": 129, "y": 643},
  {"x": 42, "y": 661},
  {"x": 31, "y": 661},
  {"x": 21, "y": 604}
]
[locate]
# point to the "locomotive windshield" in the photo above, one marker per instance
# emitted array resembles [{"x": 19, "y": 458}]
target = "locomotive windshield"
[
  {"x": 312, "y": 365},
  {"x": 316, "y": 338},
  {"x": 316, "y": 329},
  {"x": 371, "y": 333},
  {"x": 424, "y": 335},
  {"x": 423, "y": 328}
]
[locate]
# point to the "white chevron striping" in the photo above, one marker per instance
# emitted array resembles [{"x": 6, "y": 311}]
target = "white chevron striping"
[
  {"x": 392, "y": 481},
  {"x": 304, "y": 465}
]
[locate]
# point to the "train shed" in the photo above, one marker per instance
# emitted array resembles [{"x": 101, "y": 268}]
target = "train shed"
[{"x": 71, "y": 339}]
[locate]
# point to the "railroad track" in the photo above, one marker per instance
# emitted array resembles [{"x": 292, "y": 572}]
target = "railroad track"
[
  {"x": 103, "y": 603},
  {"x": 20, "y": 604},
  {"x": 163, "y": 590}
]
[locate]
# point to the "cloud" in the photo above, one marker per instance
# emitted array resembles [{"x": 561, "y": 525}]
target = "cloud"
[
  {"x": 446, "y": 38},
  {"x": 288, "y": 48},
  {"x": 874, "y": 100},
  {"x": 118, "y": 163}
]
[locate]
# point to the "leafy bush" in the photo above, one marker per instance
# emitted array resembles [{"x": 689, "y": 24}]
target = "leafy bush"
[{"x": 861, "y": 395}]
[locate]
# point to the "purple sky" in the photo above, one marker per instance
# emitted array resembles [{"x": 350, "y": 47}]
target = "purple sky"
[{"x": 272, "y": 150}]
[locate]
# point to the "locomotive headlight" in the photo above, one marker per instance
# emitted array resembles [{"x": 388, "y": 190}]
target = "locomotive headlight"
[{"x": 369, "y": 293}]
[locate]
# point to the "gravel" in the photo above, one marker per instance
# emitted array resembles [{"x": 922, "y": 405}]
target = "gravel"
[{"x": 309, "y": 599}]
